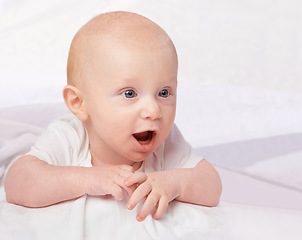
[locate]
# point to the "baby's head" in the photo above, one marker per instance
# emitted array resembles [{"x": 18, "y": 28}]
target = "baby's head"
[{"x": 122, "y": 82}]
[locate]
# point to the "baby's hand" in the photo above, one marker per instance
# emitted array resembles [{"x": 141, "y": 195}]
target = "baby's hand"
[
  {"x": 160, "y": 188},
  {"x": 109, "y": 179}
]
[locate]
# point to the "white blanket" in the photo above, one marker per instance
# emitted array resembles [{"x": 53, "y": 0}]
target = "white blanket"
[{"x": 105, "y": 218}]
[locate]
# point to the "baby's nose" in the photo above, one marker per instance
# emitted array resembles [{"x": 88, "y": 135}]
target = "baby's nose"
[{"x": 150, "y": 109}]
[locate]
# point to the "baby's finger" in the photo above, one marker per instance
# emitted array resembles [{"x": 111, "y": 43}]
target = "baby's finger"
[
  {"x": 140, "y": 192},
  {"x": 119, "y": 180},
  {"x": 138, "y": 177},
  {"x": 162, "y": 208},
  {"x": 115, "y": 191},
  {"x": 130, "y": 190},
  {"x": 148, "y": 206}
]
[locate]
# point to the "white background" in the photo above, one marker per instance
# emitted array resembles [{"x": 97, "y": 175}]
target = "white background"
[{"x": 253, "y": 43}]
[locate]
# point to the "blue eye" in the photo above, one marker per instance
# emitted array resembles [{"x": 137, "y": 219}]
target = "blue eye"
[
  {"x": 129, "y": 94},
  {"x": 164, "y": 93}
]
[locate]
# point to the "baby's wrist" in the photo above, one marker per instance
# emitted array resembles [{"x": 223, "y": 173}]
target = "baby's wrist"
[
  {"x": 85, "y": 180},
  {"x": 177, "y": 186},
  {"x": 181, "y": 175}
]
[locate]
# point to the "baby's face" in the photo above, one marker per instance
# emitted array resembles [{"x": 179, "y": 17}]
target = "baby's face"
[{"x": 131, "y": 98}]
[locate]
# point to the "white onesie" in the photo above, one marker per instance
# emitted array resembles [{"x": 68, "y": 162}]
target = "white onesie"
[{"x": 66, "y": 143}]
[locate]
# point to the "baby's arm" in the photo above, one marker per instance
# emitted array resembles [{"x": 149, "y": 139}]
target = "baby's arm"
[
  {"x": 199, "y": 185},
  {"x": 32, "y": 182}
]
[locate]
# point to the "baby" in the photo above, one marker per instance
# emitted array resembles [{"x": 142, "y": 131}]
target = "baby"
[{"x": 120, "y": 139}]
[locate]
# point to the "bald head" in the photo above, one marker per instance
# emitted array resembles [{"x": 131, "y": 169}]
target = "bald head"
[{"x": 106, "y": 31}]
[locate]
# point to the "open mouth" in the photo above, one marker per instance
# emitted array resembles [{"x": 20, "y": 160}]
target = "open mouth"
[{"x": 144, "y": 137}]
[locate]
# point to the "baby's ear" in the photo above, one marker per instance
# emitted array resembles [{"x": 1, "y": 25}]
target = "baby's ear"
[{"x": 75, "y": 102}]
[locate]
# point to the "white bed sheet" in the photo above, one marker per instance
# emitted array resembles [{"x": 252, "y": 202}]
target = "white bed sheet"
[{"x": 104, "y": 218}]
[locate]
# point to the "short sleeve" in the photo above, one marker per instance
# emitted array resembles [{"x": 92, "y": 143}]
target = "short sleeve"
[
  {"x": 64, "y": 143},
  {"x": 177, "y": 152}
]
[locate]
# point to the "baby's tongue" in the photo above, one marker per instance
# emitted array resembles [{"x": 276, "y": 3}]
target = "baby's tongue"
[{"x": 141, "y": 136}]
